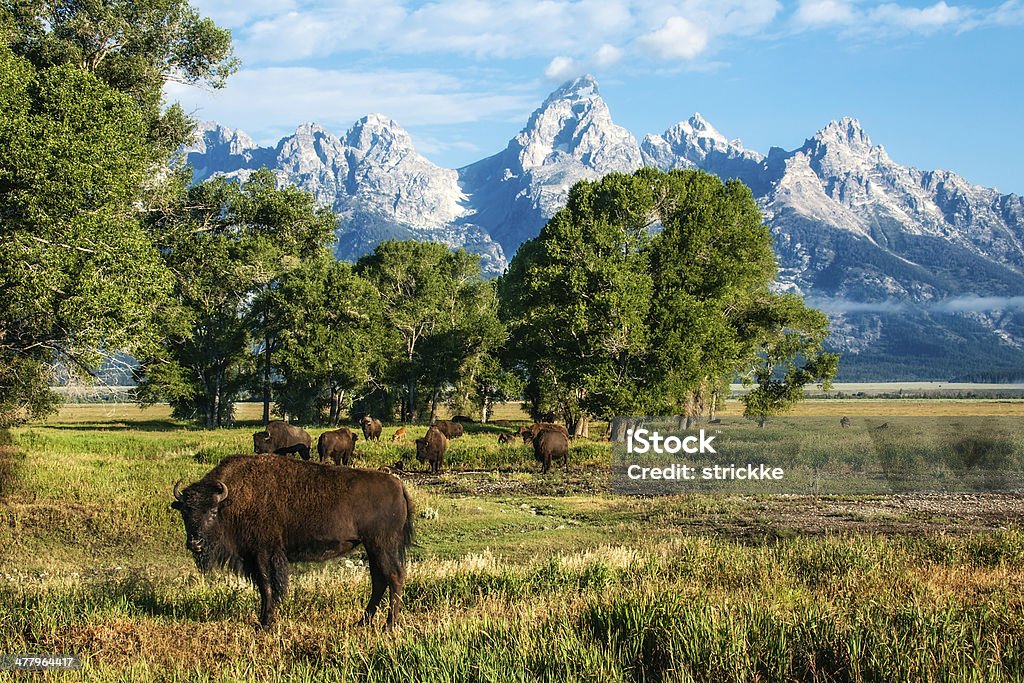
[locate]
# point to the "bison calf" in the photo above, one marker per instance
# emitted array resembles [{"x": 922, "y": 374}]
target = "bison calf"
[
  {"x": 371, "y": 428},
  {"x": 431, "y": 448},
  {"x": 548, "y": 445},
  {"x": 506, "y": 438},
  {"x": 338, "y": 445},
  {"x": 281, "y": 438},
  {"x": 257, "y": 514},
  {"x": 451, "y": 430},
  {"x": 399, "y": 435}
]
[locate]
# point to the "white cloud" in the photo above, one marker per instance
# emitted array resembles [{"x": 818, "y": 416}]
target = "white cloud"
[
  {"x": 562, "y": 68},
  {"x": 917, "y": 19},
  {"x": 884, "y": 20},
  {"x": 270, "y": 102},
  {"x": 678, "y": 38},
  {"x": 824, "y": 12},
  {"x": 607, "y": 55}
]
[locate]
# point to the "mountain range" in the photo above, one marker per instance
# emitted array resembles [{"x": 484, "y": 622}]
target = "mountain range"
[{"x": 921, "y": 272}]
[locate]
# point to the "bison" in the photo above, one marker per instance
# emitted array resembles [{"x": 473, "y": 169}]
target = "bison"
[
  {"x": 451, "y": 430},
  {"x": 463, "y": 418},
  {"x": 506, "y": 438},
  {"x": 254, "y": 515},
  {"x": 338, "y": 445},
  {"x": 431, "y": 448},
  {"x": 548, "y": 445},
  {"x": 371, "y": 428},
  {"x": 399, "y": 435},
  {"x": 844, "y": 422},
  {"x": 281, "y": 438},
  {"x": 530, "y": 433}
]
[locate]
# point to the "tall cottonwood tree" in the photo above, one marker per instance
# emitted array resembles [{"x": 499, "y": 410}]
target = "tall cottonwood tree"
[
  {"x": 332, "y": 341},
  {"x": 576, "y": 300},
  {"x": 83, "y": 142},
  {"x": 608, "y": 315},
  {"x": 442, "y": 310},
  {"x": 226, "y": 244}
]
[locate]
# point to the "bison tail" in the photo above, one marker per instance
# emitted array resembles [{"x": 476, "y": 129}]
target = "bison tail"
[{"x": 407, "y": 532}]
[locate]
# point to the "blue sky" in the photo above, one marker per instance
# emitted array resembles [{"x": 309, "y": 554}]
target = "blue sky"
[{"x": 940, "y": 85}]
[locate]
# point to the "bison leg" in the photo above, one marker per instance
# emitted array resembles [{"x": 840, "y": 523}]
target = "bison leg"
[
  {"x": 346, "y": 458},
  {"x": 395, "y": 573},
  {"x": 547, "y": 463},
  {"x": 259, "y": 571},
  {"x": 378, "y": 582}
]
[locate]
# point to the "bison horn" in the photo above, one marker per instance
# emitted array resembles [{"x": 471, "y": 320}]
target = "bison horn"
[
  {"x": 177, "y": 492},
  {"x": 222, "y": 489}
]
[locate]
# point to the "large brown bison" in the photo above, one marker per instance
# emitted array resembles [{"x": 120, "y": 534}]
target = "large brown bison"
[
  {"x": 530, "y": 433},
  {"x": 548, "y": 445},
  {"x": 451, "y": 430},
  {"x": 255, "y": 514},
  {"x": 371, "y": 428},
  {"x": 282, "y": 438},
  {"x": 339, "y": 445},
  {"x": 431, "y": 448}
]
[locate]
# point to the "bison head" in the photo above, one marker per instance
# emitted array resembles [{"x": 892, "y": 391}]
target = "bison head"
[
  {"x": 421, "y": 450},
  {"x": 367, "y": 420},
  {"x": 200, "y": 505},
  {"x": 262, "y": 442}
]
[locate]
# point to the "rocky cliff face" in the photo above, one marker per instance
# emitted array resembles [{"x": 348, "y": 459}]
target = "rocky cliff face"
[{"x": 921, "y": 271}]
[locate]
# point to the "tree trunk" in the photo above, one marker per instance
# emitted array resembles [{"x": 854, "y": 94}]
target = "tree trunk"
[
  {"x": 581, "y": 427},
  {"x": 485, "y": 410},
  {"x": 332, "y": 415},
  {"x": 619, "y": 428},
  {"x": 433, "y": 406},
  {"x": 266, "y": 381},
  {"x": 411, "y": 400}
]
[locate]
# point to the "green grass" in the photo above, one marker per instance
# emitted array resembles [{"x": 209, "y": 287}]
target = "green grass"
[{"x": 516, "y": 576}]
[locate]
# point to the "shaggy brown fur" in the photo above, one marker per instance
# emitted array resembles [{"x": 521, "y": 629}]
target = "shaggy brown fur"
[
  {"x": 255, "y": 514},
  {"x": 371, "y": 428},
  {"x": 451, "y": 430},
  {"x": 338, "y": 445},
  {"x": 548, "y": 445},
  {"x": 531, "y": 432},
  {"x": 431, "y": 448},
  {"x": 282, "y": 438}
]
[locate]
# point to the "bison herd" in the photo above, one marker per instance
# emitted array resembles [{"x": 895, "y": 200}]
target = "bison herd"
[
  {"x": 550, "y": 441},
  {"x": 256, "y": 515}
]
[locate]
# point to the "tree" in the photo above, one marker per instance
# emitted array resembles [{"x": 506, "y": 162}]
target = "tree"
[
  {"x": 442, "y": 310},
  {"x": 79, "y": 276},
  {"x": 332, "y": 339},
  {"x": 84, "y": 139},
  {"x": 605, "y": 319},
  {"x": 227, "y": 244},
  {"x": 576, "y": 299}
]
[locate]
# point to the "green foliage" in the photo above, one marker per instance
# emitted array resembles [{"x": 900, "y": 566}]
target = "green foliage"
[
  {"x": 576, "y": 300},
  {"x": 606, "y": 319},
  {"x": 77, "y": 272},
  {"x": 443, "y": 312},
  {"x": 227, "y": 244},
  {"x": 83, "y": 140},
  {"x": 332, "y": 338},
  {"x": 133, "y": 46}
]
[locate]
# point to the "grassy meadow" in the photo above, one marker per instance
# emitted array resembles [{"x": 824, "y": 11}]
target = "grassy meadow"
[{"x": 515, "y": 575}]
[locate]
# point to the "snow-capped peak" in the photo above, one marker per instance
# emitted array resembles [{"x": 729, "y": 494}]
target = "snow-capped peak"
[
  {"x": 582, "y": 88},
  {"x": 847, "y": 131}
]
